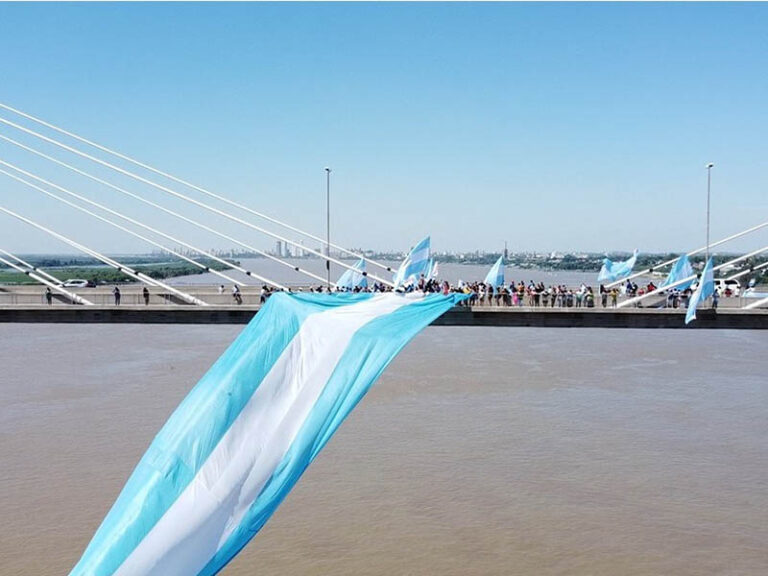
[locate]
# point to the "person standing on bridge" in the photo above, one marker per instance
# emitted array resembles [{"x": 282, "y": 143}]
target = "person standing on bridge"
[
  {"x": 48, "y": 296},
  {"x": 145, "y": 293},
  {"x": 116, "y": 292}
]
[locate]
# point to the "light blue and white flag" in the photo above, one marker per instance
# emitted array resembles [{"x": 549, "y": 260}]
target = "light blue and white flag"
[
  {"x": 414, "y": 265},
  {"x": 495, "y": 276},
  {"x": 236, "y": 445},
  {"x": 682, "y": 269},
  {"x": 612, "y": 271},
  {"x": 352, "y": 279},
  {"x": 704, "y": 290},
  {"x": 433, "y": 271}
]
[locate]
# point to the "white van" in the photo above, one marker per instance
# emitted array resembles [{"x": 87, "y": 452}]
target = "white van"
[{"x": 722, "y": 285}]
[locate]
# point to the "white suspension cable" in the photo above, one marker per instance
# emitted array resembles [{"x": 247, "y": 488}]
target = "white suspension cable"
[
  {"x": 71, "y": 295},
  {"x": 689, "y": 278},
  {"x": 189, "y": 184},
  {"x": 758, "y": 304},
  {"x": 40, "y": 271},
  {"x": 747, "y": 271},
  {"x": 190, "y": 200},
  {"x": 692, "y": 253},
  {"x": 107, "y": 260},
  {"x": 169, "y": 211},
  {"x": 142, "y": 225},
  {"x": 110, "y": 222}
]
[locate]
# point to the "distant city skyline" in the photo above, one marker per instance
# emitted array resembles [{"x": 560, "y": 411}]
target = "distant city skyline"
[{"x": 553, "y": 127}]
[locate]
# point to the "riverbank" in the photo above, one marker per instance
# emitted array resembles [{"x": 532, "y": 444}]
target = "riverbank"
[{"x": 106, "y": 275}]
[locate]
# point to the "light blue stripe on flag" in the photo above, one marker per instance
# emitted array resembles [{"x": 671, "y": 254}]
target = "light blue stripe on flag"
[
  {"x": 704, "y": 290},
  {"x": 495, "y": 276},
  {"x": 682, "y": 269}
]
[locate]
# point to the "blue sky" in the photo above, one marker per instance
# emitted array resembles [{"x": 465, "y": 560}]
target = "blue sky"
[{"x": 552, "y": 126}]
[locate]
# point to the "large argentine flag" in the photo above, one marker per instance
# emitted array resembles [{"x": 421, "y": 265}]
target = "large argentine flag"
[
  {"x": 681, "y": 270},
  {"x": 704, "y": 290},
  {"x": 495, "y": 276},
  {"x": 415, "y": 264},
  {"x": 243, "y": 436},
  {"x": 612, "y": 271},
  {"x": 351, "y": 279}
]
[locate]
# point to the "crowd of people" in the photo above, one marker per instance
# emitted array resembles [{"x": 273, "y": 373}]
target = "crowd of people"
[
  {"x": 515, "y": 294},
  {"x": 533, "y": 294}
]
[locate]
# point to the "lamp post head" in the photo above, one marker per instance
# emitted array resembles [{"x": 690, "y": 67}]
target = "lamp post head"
[
  {"x": 709, "y": 165},
  {"x": 327, "y": 169}
]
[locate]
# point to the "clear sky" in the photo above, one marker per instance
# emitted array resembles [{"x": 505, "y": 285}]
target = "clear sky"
[{"x": 552, "y": 126}]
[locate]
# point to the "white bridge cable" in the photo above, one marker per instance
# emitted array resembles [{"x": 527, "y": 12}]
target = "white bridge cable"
[
  {"x": 140, "y": 224},
  {"x": 195, "y": 202},
  {"x": 40, "y": 271},
  {"x": 169, "y": 211},
  {"x": 31, "y": 273},
  {"x": 749, "y": 270},
  {"x": 118, "y": 226},
  {"x": 758, "y": 304},
  {"x": 140, "y": 276},
  {"x": 692, "y": 253},
  {"x": 190, "y": 185},
  {"x": 688, "y": 279}
]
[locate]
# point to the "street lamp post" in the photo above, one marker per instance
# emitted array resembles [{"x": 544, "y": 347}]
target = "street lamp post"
[
  {"x": 709, "y": 182},
  {"x": 328, "y": 224}
]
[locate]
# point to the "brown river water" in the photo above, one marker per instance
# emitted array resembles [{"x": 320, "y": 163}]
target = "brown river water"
[{"x": 480, "y": 451}]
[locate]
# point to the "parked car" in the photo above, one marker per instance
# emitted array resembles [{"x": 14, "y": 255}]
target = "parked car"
[{"x": 77, "y": 283}]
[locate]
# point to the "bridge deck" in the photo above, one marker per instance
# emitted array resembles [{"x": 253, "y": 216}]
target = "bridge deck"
[{"x": 727, "y": 318}]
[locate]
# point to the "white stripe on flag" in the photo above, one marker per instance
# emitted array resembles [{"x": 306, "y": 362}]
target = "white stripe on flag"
[{"x": 214, "y": 503}]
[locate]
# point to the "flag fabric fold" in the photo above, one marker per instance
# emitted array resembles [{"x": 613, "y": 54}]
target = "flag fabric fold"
[
  {"x": 495, "y": 276},
  {"x": 681, "y": 270},
  {"x": 416, "y": 263},
  {"x": 352, "y": 279},
  {"x": 704, "y": 290},
  {"x": 612, "y": 271},
  {"x": 240, "y": 440}
]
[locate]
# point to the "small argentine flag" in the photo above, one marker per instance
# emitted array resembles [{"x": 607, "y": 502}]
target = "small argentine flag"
[
  {"x": 612, "y": 271},
  {"x": 234, "y": 448},
  {"x": 352, "y": 279},
  {"x": 495, "y": 276},
  {"x": 415, "y": 264},
  {"x": 681, "y": 270}
]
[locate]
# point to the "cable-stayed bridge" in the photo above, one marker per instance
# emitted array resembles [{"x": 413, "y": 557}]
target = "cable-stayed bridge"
[{"x": 43, "y": 144}]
